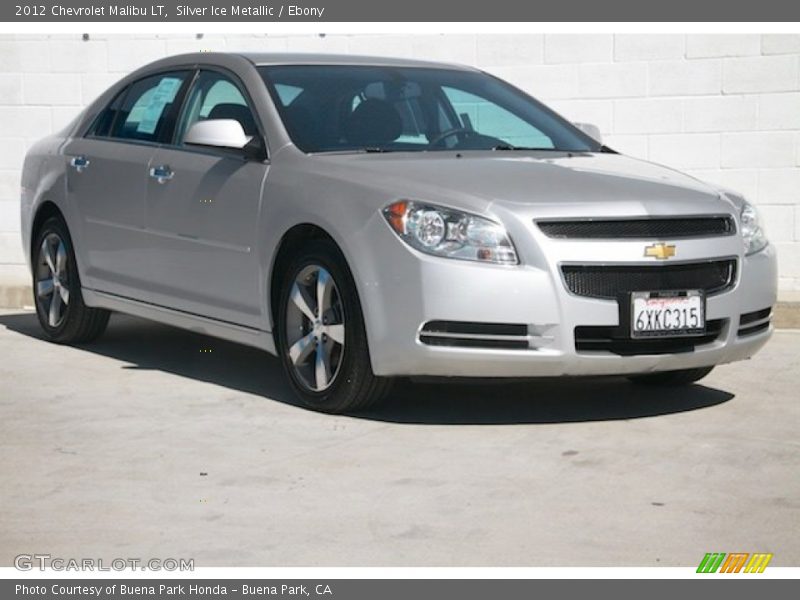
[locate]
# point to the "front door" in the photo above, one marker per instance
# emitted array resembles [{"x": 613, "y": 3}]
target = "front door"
[{"x": 203, "y": 207}]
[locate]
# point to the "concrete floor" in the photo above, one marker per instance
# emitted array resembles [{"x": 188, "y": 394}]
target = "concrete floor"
[{"x": 142, "y": 445}]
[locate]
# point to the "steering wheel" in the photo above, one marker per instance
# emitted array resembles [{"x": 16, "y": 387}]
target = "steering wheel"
[{"x": 438, "y": 139}]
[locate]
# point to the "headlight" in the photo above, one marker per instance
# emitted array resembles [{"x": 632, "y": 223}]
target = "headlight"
[
  {"x": 752, "y": 232},
  {"x": 450, "y": 233}
]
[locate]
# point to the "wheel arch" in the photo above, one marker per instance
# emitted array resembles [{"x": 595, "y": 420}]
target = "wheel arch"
[
  {"x": 293, "y": 239},
  {"x": 46, "y": 210}
]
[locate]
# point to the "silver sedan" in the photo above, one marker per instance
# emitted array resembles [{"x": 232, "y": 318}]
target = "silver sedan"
[{"x": 369, "y": 218}]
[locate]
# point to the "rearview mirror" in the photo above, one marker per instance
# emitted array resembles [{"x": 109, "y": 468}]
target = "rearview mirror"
[
  {"x": 218, "y": 133},
  {"x": 592, "y": 130}
]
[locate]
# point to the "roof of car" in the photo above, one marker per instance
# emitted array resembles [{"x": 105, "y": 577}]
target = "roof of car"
[{"x": 299, "y": 58}]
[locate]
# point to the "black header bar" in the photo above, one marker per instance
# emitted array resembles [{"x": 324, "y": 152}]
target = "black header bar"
[
  {"x": 731, "y": 588},
  {"x": 463, "y": 11}
]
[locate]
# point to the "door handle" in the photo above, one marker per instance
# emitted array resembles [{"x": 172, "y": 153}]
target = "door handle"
[
  {"x": 80, "y": 163},
  {"x": 162, "y": 173}
]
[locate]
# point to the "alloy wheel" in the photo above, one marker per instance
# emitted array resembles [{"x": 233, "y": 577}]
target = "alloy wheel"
[
  {"x": 315, "y": 331},
  {"x": 52, "y": 279}
]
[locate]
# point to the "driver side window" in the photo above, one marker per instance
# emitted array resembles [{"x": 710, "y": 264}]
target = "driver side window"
[
  {"x": 215, "y": 96},
  {"x": 489, "y": 119}
]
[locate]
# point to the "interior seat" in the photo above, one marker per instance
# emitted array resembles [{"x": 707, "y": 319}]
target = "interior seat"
[{"x": 373, "y": 123}]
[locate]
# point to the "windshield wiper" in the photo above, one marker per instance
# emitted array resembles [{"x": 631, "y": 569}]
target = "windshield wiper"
[
  {"x": 509, "y": 147},
  {"x": 375, "y": 149}
]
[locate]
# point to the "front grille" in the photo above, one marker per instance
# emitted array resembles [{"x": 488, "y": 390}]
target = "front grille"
[
  {"x": 754, "y": 322},
  {"x": 616, "y": 339},
  {"x": 611, "y": 281},
  {"x": 465, "y": 334},
  {"x": 650, "y": 228}
]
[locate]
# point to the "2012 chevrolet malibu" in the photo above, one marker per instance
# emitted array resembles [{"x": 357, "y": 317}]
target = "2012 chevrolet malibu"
[{"x": 368, "y": 218}]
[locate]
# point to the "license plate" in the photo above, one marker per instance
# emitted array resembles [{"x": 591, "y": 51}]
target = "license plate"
[{"x": 659, "y": 314}]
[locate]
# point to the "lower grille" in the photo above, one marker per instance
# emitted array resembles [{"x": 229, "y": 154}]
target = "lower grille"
[
  {"x": 465, "y": 334},
  {"x": 615, "y": 339},
  {"x": 611, "y": 281},
  {"x": 754, "y": 322}
]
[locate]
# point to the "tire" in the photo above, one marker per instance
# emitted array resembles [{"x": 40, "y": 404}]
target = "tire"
[
  {"x": 325, "y": 356},
  {"x": 64, "y": 318},
  {"x": 672, "y": 378}
]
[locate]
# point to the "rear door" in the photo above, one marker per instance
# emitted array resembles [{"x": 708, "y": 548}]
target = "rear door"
[
  {"x": 107, "y": 182},
  {"x": 203, "y": 207}
]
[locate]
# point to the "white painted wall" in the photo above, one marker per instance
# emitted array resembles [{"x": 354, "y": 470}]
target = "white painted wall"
[{"x": 725, "y": 108}]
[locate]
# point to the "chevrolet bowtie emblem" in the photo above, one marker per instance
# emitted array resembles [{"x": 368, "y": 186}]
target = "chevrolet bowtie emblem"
[{"x": 659, "y": 251}]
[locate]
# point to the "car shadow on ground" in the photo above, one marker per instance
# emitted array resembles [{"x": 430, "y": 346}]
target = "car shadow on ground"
[{"x": 146, "y": 345}]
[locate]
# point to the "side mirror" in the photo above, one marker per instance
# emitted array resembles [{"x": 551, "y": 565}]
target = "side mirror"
[
  {"x": 218, "y": 133},
  {"x": 592, "y": 130}
]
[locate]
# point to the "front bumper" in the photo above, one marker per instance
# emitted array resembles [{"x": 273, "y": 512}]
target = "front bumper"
[{"x": 401, "y": 290}]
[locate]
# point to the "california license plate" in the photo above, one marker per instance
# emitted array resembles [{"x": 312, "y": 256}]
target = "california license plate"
[{"x": 659, "y": 314}]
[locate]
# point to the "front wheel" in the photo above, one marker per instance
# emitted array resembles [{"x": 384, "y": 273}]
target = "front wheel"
[
  {"x": 672, "y": 378},
  {"x": 321, "y": 336}
]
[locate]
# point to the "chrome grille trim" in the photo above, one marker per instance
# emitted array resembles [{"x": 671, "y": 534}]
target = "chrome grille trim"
[{"x": 508, "y": 336}]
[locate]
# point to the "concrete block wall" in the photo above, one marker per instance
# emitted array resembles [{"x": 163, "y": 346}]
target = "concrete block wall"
[{"x": 725, "y": 108}]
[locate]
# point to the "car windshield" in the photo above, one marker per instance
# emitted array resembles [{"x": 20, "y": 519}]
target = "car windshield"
[{"x": 340, "y": 108}]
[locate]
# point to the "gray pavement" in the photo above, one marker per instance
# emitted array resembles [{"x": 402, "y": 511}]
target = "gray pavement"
[{"x": 145, "y": 444}]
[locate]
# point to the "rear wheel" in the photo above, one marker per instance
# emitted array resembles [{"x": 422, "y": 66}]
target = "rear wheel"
[
  {"x": 672, "y": 378},
  {"x": 321, "y": 336},
  {"x": 62, "y": 314}
]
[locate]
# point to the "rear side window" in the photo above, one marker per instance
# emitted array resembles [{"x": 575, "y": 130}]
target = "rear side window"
[
  {"x": 105, "y": 120},
  {"x": 147, "y": 112}
]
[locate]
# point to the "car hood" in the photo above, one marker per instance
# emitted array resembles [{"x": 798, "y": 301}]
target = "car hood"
[{"x": 538, "y": 182}]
